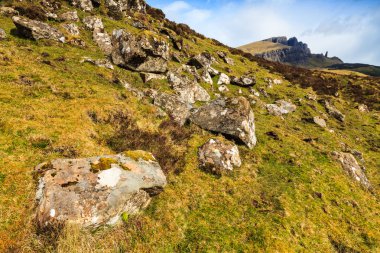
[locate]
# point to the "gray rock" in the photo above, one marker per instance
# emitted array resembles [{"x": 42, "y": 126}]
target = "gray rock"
[
  {"x": 203, "y": 60},
  {"x": 229, "y": 61},
  {"x": 72, "y": 29},
  {"x": 206, "y": 77},
  {"x": 117, "y": 8},
  {"x": 103, "y": 40},
  {"x": 320, "y": 121},
  {"x": 363, "y": 108},
  {"x": 333, "y": 111},
  {"x": 85, "y": 5},
  {"x": 104, "y": 63},
  {"x": 188, "y": 90},
  {"x": 230, "y": 116},
  {"x": 216, "y": 156},
  {"x": 139, "y": 53},
  {"x": 244, "y": 81},
  {"x": 191, "y": 70},
  {"x": 96, "y": 191},
  {"x": 37, "y": 30},
  {"x": 70, "y": 16},
  {"x": 178, "y": 110},
  {"x": 93, "y": 23},
  {"x": 223, "y": 79},
  {"x": 3, "y": 35},
  {"x": 8, "y": 12},
  {"x": 223, "y": 88},
  {"x": 351, "y": 166},
  {"x": 212, "y": 71},
  {"x": 146, "y": 77},
  {"x": 280, "y": 108}
]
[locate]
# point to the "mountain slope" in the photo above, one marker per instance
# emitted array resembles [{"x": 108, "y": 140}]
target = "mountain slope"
[{"x": 288, "y": 195}]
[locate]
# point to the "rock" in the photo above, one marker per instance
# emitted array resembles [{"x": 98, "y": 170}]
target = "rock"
[
  {"x": 8, "y": 12},
  {"x": 320, "y": 121},
  {"x": 178, "y": 110},
  {"x": 37, "y": 30},
  {"x": 146, "y": 77},
  {"x": 103, "y": 40},
  {"x": 223, "y": 88},
  {"x": 212, "y": 71},
  {"x": 176, "y": 58},
  {"x": 206, "y": 77},
  {"x": 311, "y": 96},
  {"x": 85, "y": 5},
  {"x": 136, "y": 92},
  {"x": 231, "y": 116},
  {"x": 281, "y": 107},
  {"x": 243, "y": 81},
  {"x": 223, "y": 79},
  {"x": 72, "y": 29},
  {"x": 334, "y": 112},
  {"x": 139, "y": 53},
  {"x": 277, "y": 81},
  {"x": 191, "y": 70},
  {"x": 3, "y": 35},
  {"x": 77, "y": 42},
  {"x": 139, "y": 25},
  {"x": 229, "y": 61},
  {"x": 70, "y": 16},
  {"x": 217, "y": 157},
  {"x": 93, "y": 23},
  {"x": 117, "y": 8},
  {"x": 221, "y": 54},
  {"x": 188, "y": 90},
  {"x": 203, "y": 60},
  {"x": 104, "y": 63},
  {"x": 363, "y": 108},
  {"x": 97, "y": 190},
  {"x": 351, "y": 166}
]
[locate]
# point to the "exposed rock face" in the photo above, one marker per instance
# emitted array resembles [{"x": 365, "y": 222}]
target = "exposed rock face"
[
  {"x": 173, "y": 106},
  {"x": 281, "y": 107},
  {"x": 206, "y": 77},
  {"x": 203, "y": 60},
  {"x": 216, "y": 156},
  {"x": 351, "y": 166},
  {"x": 71, "y": 16},
  {"x": 243, "y": 81},
  {"x": 3, "y": 35},
  {"x": 96, "y": 191},
  {"x": 231, "y": 116},
  {"x": 101, "y": 37},
  {"x": 37, "y": 30},
  {"x": 188, "y": 90},
  {"x": 320, "y": 121},
  {"x": 72, "y": 29},
  {"x": 223, "y": 79},
  {"x": 93, "y": 23},
  {"x": 334, "y": 112},
  {"x": 139, "y": 53}
]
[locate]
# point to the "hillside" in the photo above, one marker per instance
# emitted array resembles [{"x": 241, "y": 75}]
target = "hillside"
[
  {"x": 357, "y": 67},
  {"x": 78, "y": 87}
]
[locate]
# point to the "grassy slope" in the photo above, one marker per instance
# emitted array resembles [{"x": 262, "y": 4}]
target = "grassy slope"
[
  {"x": 269, "y": 204},
  {"x": 262, "y": 47}
]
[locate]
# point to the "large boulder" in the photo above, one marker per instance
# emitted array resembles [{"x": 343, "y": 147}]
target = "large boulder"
[
  {"x": 224, "y": 79},
  {"x": 243, "y": 81},
  {"x": 230, "y": 116},
  {"x": 37, "y": 30},
  {"x": 8, "y": 11},
  {"x": 98, "y": 190},
  {"x": 85, "y": 5},
  {"x": 139, "y": 53},
  {"x": 99, "y": 35},
  {"x": 187, "y": 89},
  {"x": 203, "y": 60},
  {"x": 352, "y": 167},
  {"x": 178, "y": 110},
  {"x": 281, "y": 107},
  {"x": 93, "y": 23},
  {"x": 216, "y": 156}
]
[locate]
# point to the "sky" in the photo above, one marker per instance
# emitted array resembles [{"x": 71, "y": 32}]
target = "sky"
[{"x": 349, "y": 29}]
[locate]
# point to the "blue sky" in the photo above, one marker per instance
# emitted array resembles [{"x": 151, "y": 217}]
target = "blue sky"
[{"x": 349, "y": 29}]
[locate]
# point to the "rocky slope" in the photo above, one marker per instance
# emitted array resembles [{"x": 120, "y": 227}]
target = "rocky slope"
[{"x": 121, "y": 131}]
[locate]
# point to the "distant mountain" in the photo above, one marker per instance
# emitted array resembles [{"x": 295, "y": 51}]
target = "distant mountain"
[{"x": 291, "y": 51}]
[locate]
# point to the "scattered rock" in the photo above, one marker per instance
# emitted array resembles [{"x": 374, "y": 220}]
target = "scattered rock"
[
  {"x": 8, "y": 12},
  {"x": 333, "y": 111},
  {"x": 351, "y": 166},
  {"x": 178, "y": 110},
  {"x": 104, "y": 63},
  {"x": 229, "y": 61},
  {"x": 223, "y": 79},
  {"x": 70, "y": 16},
  {"x": 231, "y": 116},
  {"x": 217, "y": 157},
  {"x": 103, "y": 40},
  {"x": 3, "y": 35},
  {"x": 203, "y": 60},
  {"x": 363, "y": 108},
  {"x": 72, "y": 29},
  {"x": 320, "y": 121},
  {"x": 85, "y": 5},
  {"x": 212, "y": 71},
  {"x": 191, "y": 70},
  {"x": 136, "y": 92},
  {"x": 188, "y": 90},
  {"x": 96, "y": 191},
  {"x": 139, "y": 53},
  {"x": 207, "y": 77},
  {"x": 37, "y": 30},
  {"x": 146, "y": 77},
  {"x": 139, "y": 25},
  {"x": 93, "y": 23},
  {"x": 311, "y": 96},
  {"x": 281, "y": 107},
  {"x": 243, "y": 81},
  {"x": 176, "y": 58},
  {"x": 223, "y": 88}
]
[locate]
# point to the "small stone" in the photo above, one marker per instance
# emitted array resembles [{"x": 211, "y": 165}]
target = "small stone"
[
  {"x": 320, "y": 121},
  {"x": 3, "y": 35},
  {"x": 363, "y": 108},
  {"x": 223, "y": 79},
  {"x": 223, "y": 88}
]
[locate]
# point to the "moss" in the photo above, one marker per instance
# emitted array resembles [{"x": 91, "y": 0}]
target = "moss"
[
  {"x": 125, "y": 217},
  {"x": 103, "y": 164},
  {"x": 139, "y": 154}
]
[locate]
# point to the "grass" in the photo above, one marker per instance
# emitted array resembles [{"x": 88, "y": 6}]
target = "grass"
[
  {"x": 289, "y": 195},
  {"x": 262, "y": 47}
]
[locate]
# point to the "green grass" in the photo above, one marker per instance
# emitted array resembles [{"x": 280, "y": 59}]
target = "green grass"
[{"x": 288, "y": 196}]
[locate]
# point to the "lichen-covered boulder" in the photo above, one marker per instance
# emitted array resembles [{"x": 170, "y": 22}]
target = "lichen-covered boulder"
[
  {"x": 117, "y": 8},
  {"x": 178, "y": 110},
  {"x": 352, "y": 167},
  {"x": 72, "y": 29},
  {"x": 216, "y": 156},
  {"x": 8, "y": 11},
  {"x": 203, "y": 60},
  {"x": 98, "y": 190},
  {"x": 333, "y": 111},
  {"x": 230, "y": 116},
  {"x": 85, "y": 5},
  {"x": 188, "y": 90},
  {"x": 71, "y": 16},
  {"x": 224, "y": 79},
  {"x": 243, "y": 81},
  {"x": 139, "y": 53},
  {"x": 93, "y": 23},
  {"x": 37, "y": 30},
  {"x": 281, "y": 107},
  {"x": 320, "y": 121}
]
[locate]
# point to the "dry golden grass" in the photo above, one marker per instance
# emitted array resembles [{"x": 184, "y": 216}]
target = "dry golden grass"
[{"x": 262, "y": 47}]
